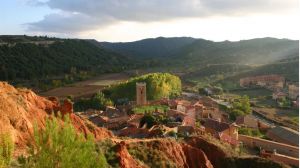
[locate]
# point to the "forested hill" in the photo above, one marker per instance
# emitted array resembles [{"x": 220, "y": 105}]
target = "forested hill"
[
  {"x": 24, "y": 57},
  {"x": 255, "y": 51},
  {"x": 197, "y": 52},
  {"x": 150, "y": 48}
]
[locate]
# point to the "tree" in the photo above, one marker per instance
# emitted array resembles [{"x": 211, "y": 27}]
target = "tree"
[
  {"x": 98, "y": 102},
  {"x": 159, "y": 85},
  {"x": 149, "y": 120},
  {"x": 60, "y": 146},
  {"x": 240, "y": 107}
]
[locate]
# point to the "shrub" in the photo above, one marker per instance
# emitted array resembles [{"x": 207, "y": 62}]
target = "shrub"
[
  {"x": 250, "y": 132},
  {"x": 108, "y": 147},
  {"x": 60, "y": 146},
  {"x": 98, "y": 102},
  {"x": 6, "y": 150}
]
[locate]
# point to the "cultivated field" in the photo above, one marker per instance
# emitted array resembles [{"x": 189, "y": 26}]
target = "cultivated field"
[{"x": 87, "y": 88}]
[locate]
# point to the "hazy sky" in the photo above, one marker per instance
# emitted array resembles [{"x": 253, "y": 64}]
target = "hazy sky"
[{"x": 128, "y": 20}]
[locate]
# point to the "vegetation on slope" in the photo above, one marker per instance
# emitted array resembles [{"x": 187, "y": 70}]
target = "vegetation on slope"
[
  {"x": 154, "y": 157},
  {"x": 60, "y": 146},
  {"x": 150, "y": 48},
  {"x": 240, "y": 107},
  {"x": 98, "y": 102},
  {"x": 26, "y": 60},
  {"x": 6, "y": 150},
  {"x": 203, "y": 52},
  {"x": 159, "y": 85}
]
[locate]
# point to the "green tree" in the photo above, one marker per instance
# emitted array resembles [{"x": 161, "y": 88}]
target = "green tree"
[
  {"x": 149, "y": 120},
  {"x": 60, "y": 146},
  {"x": 240, "y": 107},
  {"x": 98, "y": 102},
  {"x": 159, "y": 85}
]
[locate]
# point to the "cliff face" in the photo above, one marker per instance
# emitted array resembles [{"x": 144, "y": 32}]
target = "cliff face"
[
  {"x": 213, "y": 152},
  {"x": 168, "y": 153},
  {"x": 20, "y": 109}
]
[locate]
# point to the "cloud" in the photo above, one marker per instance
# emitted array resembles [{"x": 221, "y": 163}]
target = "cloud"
[{"x": 82, "y": 15}]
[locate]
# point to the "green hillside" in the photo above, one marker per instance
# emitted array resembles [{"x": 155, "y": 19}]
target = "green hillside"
[
  {"x": 21, "y": 58},
  {"x": 159, "y": 85},
  {"x": 256, "y": 51},
  {"x": 160, "y": 47}
]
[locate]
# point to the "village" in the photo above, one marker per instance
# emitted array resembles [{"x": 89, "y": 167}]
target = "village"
[{"x": 196, "y": 115}]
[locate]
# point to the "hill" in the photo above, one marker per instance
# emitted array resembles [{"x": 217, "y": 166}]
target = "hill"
[
  {"x": 150, "y": 48},
  {"x": 27, "y": 58},
  {"x": 194, "y": 52},
  {"x": 255, "y": 51}
]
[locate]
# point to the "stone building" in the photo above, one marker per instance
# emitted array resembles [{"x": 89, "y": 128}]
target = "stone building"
[
  {"x": 279, "y": 95},
  {"x": 273, "y": 82},
  {"x": 141, "y": 96},
  {"x": 293, "y": 91},
  {"x": 247, "y": 121},
  {"x": 224, "y": 131}
]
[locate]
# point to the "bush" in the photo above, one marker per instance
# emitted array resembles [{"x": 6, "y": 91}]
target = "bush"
[
  {"x": 60, "y": 146},
  {"x": 6, "y": 150},
  {"x": 250, "y": 132},
  {"x": 98, "y": 102},
  {"x": 108, "y": 147}
]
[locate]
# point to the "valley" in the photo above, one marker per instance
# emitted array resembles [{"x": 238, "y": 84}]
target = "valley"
[{"x": 184, "y": 100}]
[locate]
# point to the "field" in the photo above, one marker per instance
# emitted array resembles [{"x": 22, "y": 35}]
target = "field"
[{"x": 87, "y": 88}]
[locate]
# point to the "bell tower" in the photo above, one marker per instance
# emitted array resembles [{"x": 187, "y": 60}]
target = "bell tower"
[{"x": 141, "y": 97}]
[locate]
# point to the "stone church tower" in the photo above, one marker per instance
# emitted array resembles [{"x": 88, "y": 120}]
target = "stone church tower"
[{"x": 141, "y": 97}]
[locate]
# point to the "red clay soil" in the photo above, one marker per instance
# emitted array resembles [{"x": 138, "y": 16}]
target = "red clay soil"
[
  {"x": 20, "y": 109},
  {"x": 125, "y": 159},
  {"x": 195, "y": 157},
  {"x": 213, "y": 152},
  {"x": 182, "y": 155}
]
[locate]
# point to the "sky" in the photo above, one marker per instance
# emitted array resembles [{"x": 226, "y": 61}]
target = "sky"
[{"x": 130, "y": 20}]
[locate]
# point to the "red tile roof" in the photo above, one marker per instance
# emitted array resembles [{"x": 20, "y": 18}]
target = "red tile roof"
[{"x": 216, "y": 125}]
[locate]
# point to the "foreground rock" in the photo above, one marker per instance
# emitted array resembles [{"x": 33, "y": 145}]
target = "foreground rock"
[{"x": 20, "y": 109}]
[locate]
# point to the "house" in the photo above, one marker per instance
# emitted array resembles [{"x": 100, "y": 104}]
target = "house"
[
  {"x": 185, "y": 130},
  {"x": 190, "y": 118},
  {"x": 135, "y": 120},
  {"x": 279, "y": 95},
  {"x": 113, "y": 112},
  {"x": 273, "y": 82},
  {"x": 98, "y": 120},
  {"x": 182, "y": 105},
  {"x": 178, "y": 116},
  {"x": 293, "y": 91},
  {"x": 284, "y": 135},
  {"x": 221, "y": 130},
  {"x": 247, "y": 121}
]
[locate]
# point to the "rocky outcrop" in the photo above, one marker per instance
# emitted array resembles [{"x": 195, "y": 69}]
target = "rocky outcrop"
[
  {"x": 125, "y": 159},
  {"x": 20, "y": 109},
  {"x": 195, "y": 158},
  {"x": 177, "y": 154},
  {"x": 213, "y": 152}
]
